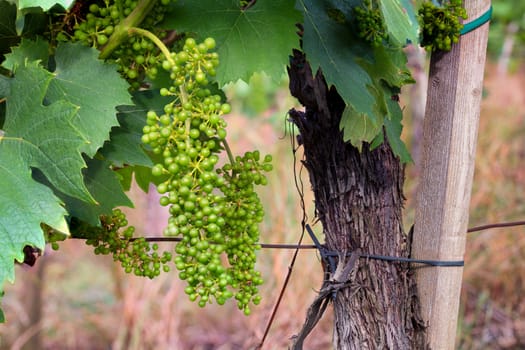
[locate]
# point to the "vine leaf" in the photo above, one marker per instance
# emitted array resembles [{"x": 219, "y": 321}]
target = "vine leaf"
[
  {"x": 104, "y": 185},
  {"x": 8, "y": 35},
  {"x": 393, "y": 129},
  {"x": 400, "y": 20},
  {"x": 365, "y": 77},
  {"x": 46, "y": 134},
  {"x": 4, "y": 87},
  {"x": 359, "y": 127},
  {"x": 124, "y": 147},
  {"x": 96, "y": 99},
  {"x": 28, "y": 50},
  {"x": 44, "y": 4},
  {"x": 335, "y": 49},
  {"x": 35, "y": 135},
  {"x": 24, "y": 205},
  {"x": 259, "y": 38},
  {"x": 76, "y": 67}
]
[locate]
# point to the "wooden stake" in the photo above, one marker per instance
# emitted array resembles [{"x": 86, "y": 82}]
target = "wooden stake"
[{"x": 449, "y": 145}]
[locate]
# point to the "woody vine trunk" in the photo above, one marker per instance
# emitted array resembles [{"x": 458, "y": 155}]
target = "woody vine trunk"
[{"x": 358, "y": 200}]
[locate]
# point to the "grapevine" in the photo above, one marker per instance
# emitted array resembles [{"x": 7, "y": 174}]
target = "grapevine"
[
  {"x": 441, "y": 25},
  {"x": 215, "y": 209}
]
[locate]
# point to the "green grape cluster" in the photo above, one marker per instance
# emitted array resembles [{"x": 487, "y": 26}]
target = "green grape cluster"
[
  {"x": 214, "y": 209},
  {"x": 136, "y": 255},
  {"x": 441, "y": 25},
  {"x": 137, "y": 55},
  {"x": 370, "y": 23}
]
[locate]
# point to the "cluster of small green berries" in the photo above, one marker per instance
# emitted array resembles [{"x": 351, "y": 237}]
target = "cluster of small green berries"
[
  {"x": 441, "y": 25},
  {"x": 135, "y": 56},
  {"x": 215, "y": 210},
  {"x": 370, "y": 24},
  {"x": 135, "y": 255},
  {"x": 100, "y": 22}
]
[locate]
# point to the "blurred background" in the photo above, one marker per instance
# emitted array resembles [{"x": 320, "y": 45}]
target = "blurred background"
[{"x": 72, "y": 299}]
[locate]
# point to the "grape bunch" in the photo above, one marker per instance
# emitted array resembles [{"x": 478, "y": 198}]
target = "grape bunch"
[
  {"x": 215, "y": 209},
  {"x": 370, "y": 24},
  {"x": 441, "y": 25},
  {"x": 136, "y": 255},
  {"x": 136, "y": 55}
]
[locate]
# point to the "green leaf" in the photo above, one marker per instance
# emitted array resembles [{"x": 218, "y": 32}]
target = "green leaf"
[
  {"x": 143, "y": 177},
  {"x": 124, "y": 147},
  {"x": 393, "y": 128},
  {"x": 4, "y": 86},
  {"x": 125, "y": 176},
  {"x": 4, "y": 92},
  {"x": 105, "y": 186},
  {"x": 366, "y": 77},
  {"x": 44, "y": 4},
  {"x": 28, "y": 50},
  {"x": 24, "y": 205},
  {"x": 92, "y": 85},
  {"x": 389, "y": 65},
  {"x": 8, "y": 35},
  {"x": 335, "y": 49},
  {"x": 47, "y": 136},
  {"x": 259, "y": 38},
  {"x": 358, "y": 127},
  {"x": 389, "y": 73},
  {"x": 400, "y": 20},
  {"x": 96, "y": 99}
]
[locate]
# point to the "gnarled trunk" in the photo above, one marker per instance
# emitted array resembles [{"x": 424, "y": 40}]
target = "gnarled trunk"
[{"x": 359, "y": 200}]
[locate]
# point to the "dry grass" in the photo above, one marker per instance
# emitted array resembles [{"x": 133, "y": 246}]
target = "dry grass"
[{"x": 90, "y": 304}]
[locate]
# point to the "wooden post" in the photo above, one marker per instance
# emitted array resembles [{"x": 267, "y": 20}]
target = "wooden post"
[{"x": 449, "y": 132}]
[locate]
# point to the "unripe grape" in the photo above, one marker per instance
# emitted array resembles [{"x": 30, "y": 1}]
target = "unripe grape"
[
  {"x": 226, "y": 108},
  {"x": 166, "y": 65},
  {"x": 189, "y": 43},
  {"x": 210, "y": 43},
  {"x": 93, "y": 8},
  {"x": 200, "y": 77}
]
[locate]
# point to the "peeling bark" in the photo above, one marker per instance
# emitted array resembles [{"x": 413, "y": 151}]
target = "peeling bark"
[{"x": 358, "y": 200}]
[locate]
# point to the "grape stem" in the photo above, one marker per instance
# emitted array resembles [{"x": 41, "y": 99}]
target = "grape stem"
[
  {"x": 183, "y": 94},
  {"x": 146, "y": 33},
  {"x": 121, "y": 33},
  {"x": 228, "y": 151},
  {"x": 184, "y": 100}
]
